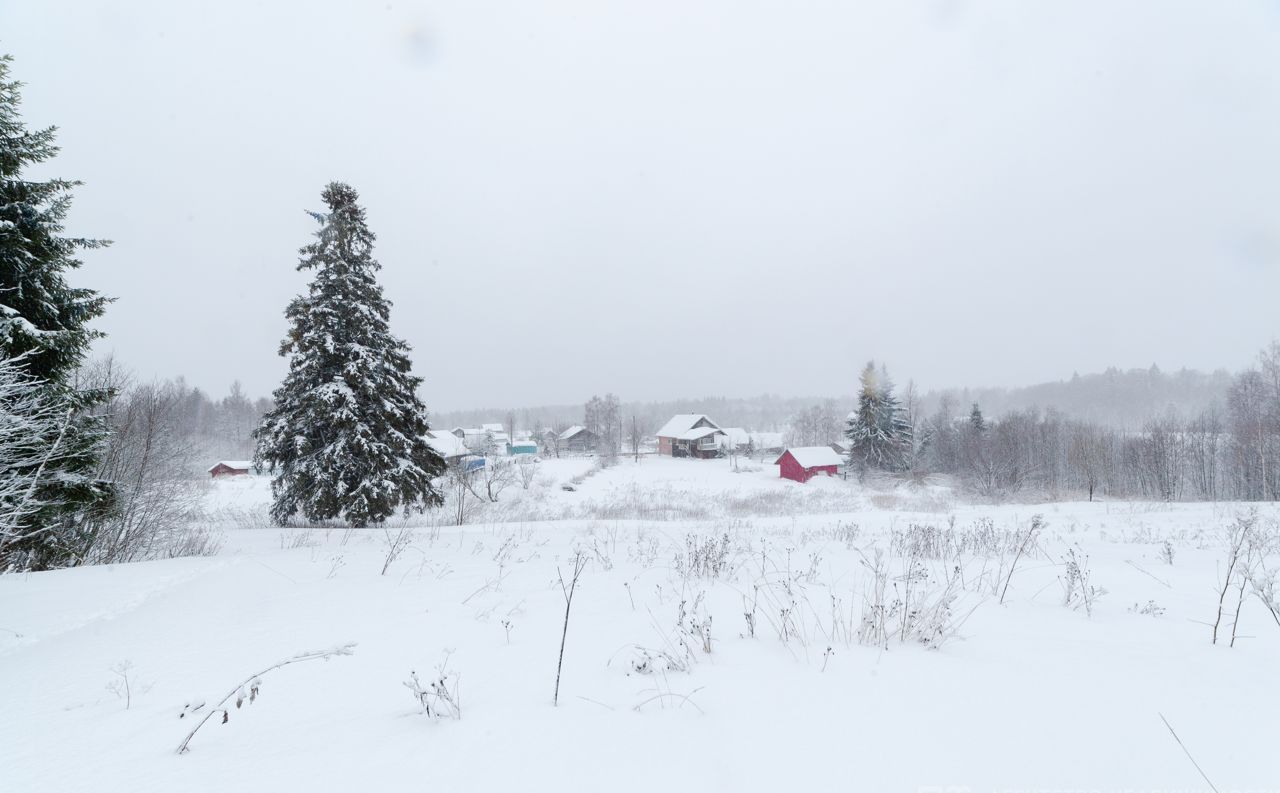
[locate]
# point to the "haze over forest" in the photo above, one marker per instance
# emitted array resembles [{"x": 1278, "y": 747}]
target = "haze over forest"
[{"x": 669, "y": 199}]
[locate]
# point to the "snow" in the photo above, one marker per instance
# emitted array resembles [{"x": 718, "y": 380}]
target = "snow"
[
  {"x": 446, "y": 444},
  {"x": 766, "y": 440},
  {"x": 681, "y": 423},
  {"x": 698, "y": 432},
  {"x": 814, "y": 456},
  {"x": 239, "y": 465},
  {"x": 1031, "y": 695},
  {"x": 569, "y": 433}
]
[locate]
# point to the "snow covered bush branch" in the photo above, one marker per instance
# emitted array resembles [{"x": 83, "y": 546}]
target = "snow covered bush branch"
[
  {"x": 439, "y": 697},
  {"x": 249, "y": 688}
]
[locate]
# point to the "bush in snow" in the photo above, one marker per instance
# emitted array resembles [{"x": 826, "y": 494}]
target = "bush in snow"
[
  {"x": 1152, "y": 609},
  {"x": 917, "y": 605},
  {"x": 439, "y": 696},
  {"x": 704, "y": 557},
  {"x": 1077, "y": 591},
  {"x": 1243, "y": 546}
]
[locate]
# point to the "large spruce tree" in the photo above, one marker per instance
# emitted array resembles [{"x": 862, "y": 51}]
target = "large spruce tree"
[
  {"x": 346, "y": 439},
  {"x": 44, "y": 329},
  {"x": 878, "y": 431}
]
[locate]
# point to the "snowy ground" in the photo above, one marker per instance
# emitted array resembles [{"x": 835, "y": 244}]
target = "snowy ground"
[{"x": 1028, "y": 695}]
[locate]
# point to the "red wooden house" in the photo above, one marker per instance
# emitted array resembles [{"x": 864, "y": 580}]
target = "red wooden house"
[
  {"x": 231, "y": 468},
  {"x": 805, "y": 462}
]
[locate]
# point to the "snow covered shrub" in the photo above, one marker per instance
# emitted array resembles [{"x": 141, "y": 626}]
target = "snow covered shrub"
[
  {"x": 1244, "y": 548},
  {"x": 460, "y": 502},
  {"x": 527, "y": 471},
  {"x": 914, "y": 606},
  {"x": 192, "y": 540},
  {"x": 125, "y": 684},
  {"x": 249, "y": 689},
  {"x": 646, "y": 661},
  {"x": 150, "y": 463},
  {"x": 1077, "y": 591},
  {"x": 704, "y": 557},
  {"x": 1151, "y": 609},
  {"x": 1166, "y": 552},
  {"x": 244, "y": 518},
  {"x": 396, "y": 542},
  {"x": 439, "y": 697},
  {"x": 294, "y": 539},
  {"x": 1022, "y": 543},
  {"x": 1264, "y": 588}
]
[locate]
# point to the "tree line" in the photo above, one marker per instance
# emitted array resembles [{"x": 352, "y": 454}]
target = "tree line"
[{"x": 1229, "y": 450}]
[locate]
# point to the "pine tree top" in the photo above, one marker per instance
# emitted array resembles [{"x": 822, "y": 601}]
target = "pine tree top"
[{"x": 42, "y": 317}]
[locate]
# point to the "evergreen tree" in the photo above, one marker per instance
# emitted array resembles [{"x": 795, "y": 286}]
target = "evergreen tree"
[
  {"x": 977, "y": 423},
  {"x": 44, "y": 327},
  {"x": 346, "y": 438},
  {"x": 879, "y": 432},
  {"x": 895, "y": 424}
]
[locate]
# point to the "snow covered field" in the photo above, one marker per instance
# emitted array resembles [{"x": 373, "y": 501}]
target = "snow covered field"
[{"x": 806, "y": 685}]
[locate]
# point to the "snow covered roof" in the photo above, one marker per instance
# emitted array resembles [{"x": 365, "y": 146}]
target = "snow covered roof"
[
  {"x": 492, "y": 428},
  {"x": 681, "y": 423},
  {"x": 239, "y": 465},
  {"x": 814, "y": 456},
  {"x": 738, "y": 435},
  {"x": 446, "y": 444},
  {"x": 569, "y": 433},
  {"x": 698, "y": 432}
]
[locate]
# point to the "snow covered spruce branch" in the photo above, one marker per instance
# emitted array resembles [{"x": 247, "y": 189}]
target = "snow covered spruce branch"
[
  {"x": 250, "y": 686},
  {"x": 33, "y": 429}
]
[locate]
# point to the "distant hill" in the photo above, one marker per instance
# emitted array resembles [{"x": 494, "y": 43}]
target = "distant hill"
[{"x": 1114, "y": 398}]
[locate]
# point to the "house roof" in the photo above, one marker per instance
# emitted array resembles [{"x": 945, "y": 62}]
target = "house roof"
[
  {"x": 737, "y": 434},
  {"x": 813, "y": 456},
  {"x": 239, "y": 465},
  {"x": 569, "y": 433},
  {"x": 529, "y": 443},
  {"x": 681, "y": 423},
  {"x": 699, "y": 432},
  {"x": 446, "y": 444},
  {"x": 492, "y": 427}
]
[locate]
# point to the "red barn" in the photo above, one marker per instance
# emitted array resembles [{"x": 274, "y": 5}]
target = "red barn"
[
  {"x": 231, "y": 468},
  {"x": 803, "y": 463}
]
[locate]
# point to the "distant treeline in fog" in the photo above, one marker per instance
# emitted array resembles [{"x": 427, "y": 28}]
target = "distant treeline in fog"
[{"x": 1114, "y": 398}]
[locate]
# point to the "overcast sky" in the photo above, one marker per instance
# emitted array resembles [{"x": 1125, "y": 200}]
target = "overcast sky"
[{"x": 666, "y": 199}]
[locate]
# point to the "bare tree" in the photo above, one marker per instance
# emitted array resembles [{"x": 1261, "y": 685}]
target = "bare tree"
[
  {"x": 489, "y": 481},
  {"x": 460, "y": 498},
  {"x": 527, "y": 468},
  {"x": 637, "y": 434},
  {"x": 151, "y": 465}
]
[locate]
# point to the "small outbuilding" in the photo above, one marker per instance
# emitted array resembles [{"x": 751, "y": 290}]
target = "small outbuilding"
[
  {"x": 802, "y": 463},
  {"x": 231, "y": 468},
  {"x": 522, "y": 447}
]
